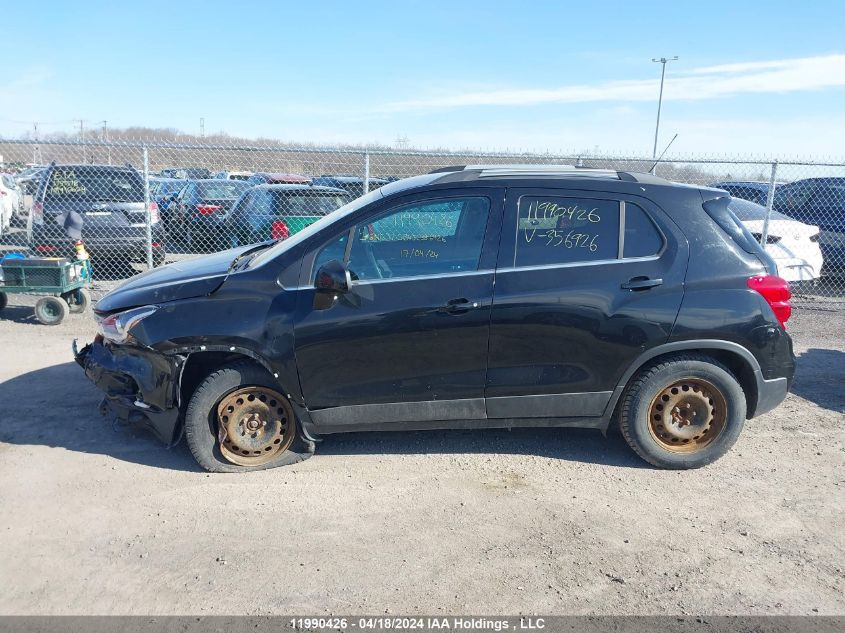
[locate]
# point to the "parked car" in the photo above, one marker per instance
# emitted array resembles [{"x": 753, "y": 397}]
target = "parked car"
[
  {"x": 28, "y": 181},
  {"x": 164, "y": 192},
  {"x": 104, "y": 203},
  {"x": 185, "y": 173},
  {"x": 792, "y": 244},
  {"x": 353, "y": 184},
  {"x": 233, "y": 175},
  {"x": 265, "y": 178},
  {"x": 382, "y": 316},
  {"x": 10, "y": 201},
  {"x": 197, "y": 214},
  {"x": 746, "y": 190},
  {"x": 275, "y": 212},
  {"x": 819, "y": 201}
]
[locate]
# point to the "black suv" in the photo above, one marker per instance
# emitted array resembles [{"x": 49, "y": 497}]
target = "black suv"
[
  {"x": 469, "y": 297},
  {"x": 103, "y": 203}
]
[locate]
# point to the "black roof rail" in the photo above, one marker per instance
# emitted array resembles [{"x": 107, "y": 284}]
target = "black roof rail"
[{"x": 446, "y": 170}]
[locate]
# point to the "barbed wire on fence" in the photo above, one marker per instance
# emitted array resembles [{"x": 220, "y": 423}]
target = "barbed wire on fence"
[{"x": 140, "y": 203}]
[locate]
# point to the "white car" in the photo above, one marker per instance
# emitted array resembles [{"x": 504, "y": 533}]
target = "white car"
[
  {"x": 232, "y": 175},
  {"x": 10, "y": 201},
  {"x": 792, "y": 244}
]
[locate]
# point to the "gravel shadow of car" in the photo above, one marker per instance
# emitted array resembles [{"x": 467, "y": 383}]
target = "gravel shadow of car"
[
  {"x": 818, "y": 378},
  {"x": 57, "y": 406}
]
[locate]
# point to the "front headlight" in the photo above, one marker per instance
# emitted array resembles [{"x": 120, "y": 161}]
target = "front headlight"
[{"x": 115, "y": 327}]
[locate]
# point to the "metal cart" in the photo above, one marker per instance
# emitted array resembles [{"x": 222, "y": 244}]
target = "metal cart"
[{"x": 63, "y": 283}]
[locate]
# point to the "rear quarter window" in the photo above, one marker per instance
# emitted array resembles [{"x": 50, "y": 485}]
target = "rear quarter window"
[{"x": 717, "y": 209}]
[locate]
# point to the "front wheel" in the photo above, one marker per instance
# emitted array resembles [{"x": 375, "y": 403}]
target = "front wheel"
[
  {"x": 683, "y": 412},
  {"x": 51, "y": 310},
  {"x": 237, "y": 421}
]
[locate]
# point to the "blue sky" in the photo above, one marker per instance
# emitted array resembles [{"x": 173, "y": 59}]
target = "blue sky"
[{"x": 763, "y": 78}]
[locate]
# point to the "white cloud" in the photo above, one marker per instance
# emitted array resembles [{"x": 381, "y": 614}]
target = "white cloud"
[{"x": 712, "y": 82}]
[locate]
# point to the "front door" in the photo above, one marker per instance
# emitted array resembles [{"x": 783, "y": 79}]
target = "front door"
[
  {"x": 585, "y": 282},
  {"x": 408, "y": 342}
]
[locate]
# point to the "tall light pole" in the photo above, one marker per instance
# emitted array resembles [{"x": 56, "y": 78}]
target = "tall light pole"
[
  {"x": 663, "y": 61},
  {"x": 106, "y": 137}
]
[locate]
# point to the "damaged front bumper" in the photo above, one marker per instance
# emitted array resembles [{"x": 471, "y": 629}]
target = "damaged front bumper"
[{"x": 141, "y": 386}]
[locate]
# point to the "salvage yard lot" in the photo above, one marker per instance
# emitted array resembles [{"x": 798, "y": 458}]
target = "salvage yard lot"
[{"x": 101, "y": 520}]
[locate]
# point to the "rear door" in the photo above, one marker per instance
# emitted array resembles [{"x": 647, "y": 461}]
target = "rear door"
[{"x": 585, "y": 282}]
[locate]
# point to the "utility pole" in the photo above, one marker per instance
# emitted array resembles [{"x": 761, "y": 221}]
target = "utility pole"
[
  {"x": 663, "y": 61},
  {"x": 106, "y": 138},
  {"x": 36, "y": 151},
  {"x": 202, "y": 127}
]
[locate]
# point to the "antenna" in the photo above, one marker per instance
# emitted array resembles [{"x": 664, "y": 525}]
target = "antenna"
[{"x": 653, "y": 169}]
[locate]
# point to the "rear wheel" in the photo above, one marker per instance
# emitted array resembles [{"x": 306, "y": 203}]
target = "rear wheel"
[
  {"x": 684, "y": 412},
  {"x": 238, "y": 421},
  {"x": 78, "y": 300},
  {"x": 4, "y": 300},
  {"x": 51, "y": 310}
]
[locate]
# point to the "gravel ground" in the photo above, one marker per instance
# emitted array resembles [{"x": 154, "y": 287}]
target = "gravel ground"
[{"x": 99, "y": 520}]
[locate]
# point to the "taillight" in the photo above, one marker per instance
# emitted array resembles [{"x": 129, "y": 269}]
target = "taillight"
[
  {"x": 154, "y": 214},
  {"x": 279, "y": 231},
  {"x": 776, "y": 293},
  {"x": 208, "y": 209},
  {"x": 37, "y": 212},
  {"x": 45, "y": 248}
]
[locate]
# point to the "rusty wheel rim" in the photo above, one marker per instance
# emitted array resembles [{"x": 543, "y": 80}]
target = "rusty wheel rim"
[
  {"x": 254, "y": 425},
  {"x": 687, "y": 416}
]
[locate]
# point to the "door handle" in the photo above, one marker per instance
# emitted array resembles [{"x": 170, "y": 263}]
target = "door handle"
[
  {"x": 455, "y": 306},
  {"x": 641, "y": 283}
]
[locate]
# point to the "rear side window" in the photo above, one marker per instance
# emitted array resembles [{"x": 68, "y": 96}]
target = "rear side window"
[
  {"x": 101, "y": 185},
  {"x": 554, "y": 230},
  {"x": 717, "y": 209},
  {"x": 641, "y": 235}
]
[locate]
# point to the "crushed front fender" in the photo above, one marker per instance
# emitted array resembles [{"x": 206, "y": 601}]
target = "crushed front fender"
[{"x": 141, "y": 386}]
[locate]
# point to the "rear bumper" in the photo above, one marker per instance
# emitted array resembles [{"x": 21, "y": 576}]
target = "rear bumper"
[
  {"x": 141, "y": 386},
  {"x": 122, "y": 244},
  {"x": 770, "y": 393}
]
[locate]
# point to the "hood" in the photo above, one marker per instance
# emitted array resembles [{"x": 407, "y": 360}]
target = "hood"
[{"x": 179, "y": 280}]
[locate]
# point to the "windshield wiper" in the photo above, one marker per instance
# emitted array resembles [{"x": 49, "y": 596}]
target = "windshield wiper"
[{"x": 242, "y": 261}]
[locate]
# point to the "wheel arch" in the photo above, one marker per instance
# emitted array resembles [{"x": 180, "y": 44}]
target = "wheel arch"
[
  {"x": 734, "y": 356},
  {"x": 201, "y": 361}
]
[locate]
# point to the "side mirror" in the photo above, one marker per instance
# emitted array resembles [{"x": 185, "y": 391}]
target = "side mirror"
[{"x": 332, "y": 278}]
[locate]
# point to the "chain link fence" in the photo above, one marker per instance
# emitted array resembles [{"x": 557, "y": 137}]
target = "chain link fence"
[{"x": 138, "y": 205}]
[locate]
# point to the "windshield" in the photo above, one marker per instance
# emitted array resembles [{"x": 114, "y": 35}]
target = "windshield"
[
  {"x": 222, "y": 190},
  {"x": 307, "y": 204},
  {"x": 748, "y": 211},
  {"x": 324, "y": 222}
]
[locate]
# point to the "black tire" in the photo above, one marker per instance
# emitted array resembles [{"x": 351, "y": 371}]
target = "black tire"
[
  {"x": 201, "y": 423},
  {"x": 4, "y": 300},
  {"x": 78, "y": 301},
  {"x": 159, "y": 258},
  {"x": 640, "y": 425},
  {"x": 51, "y": 310}
]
